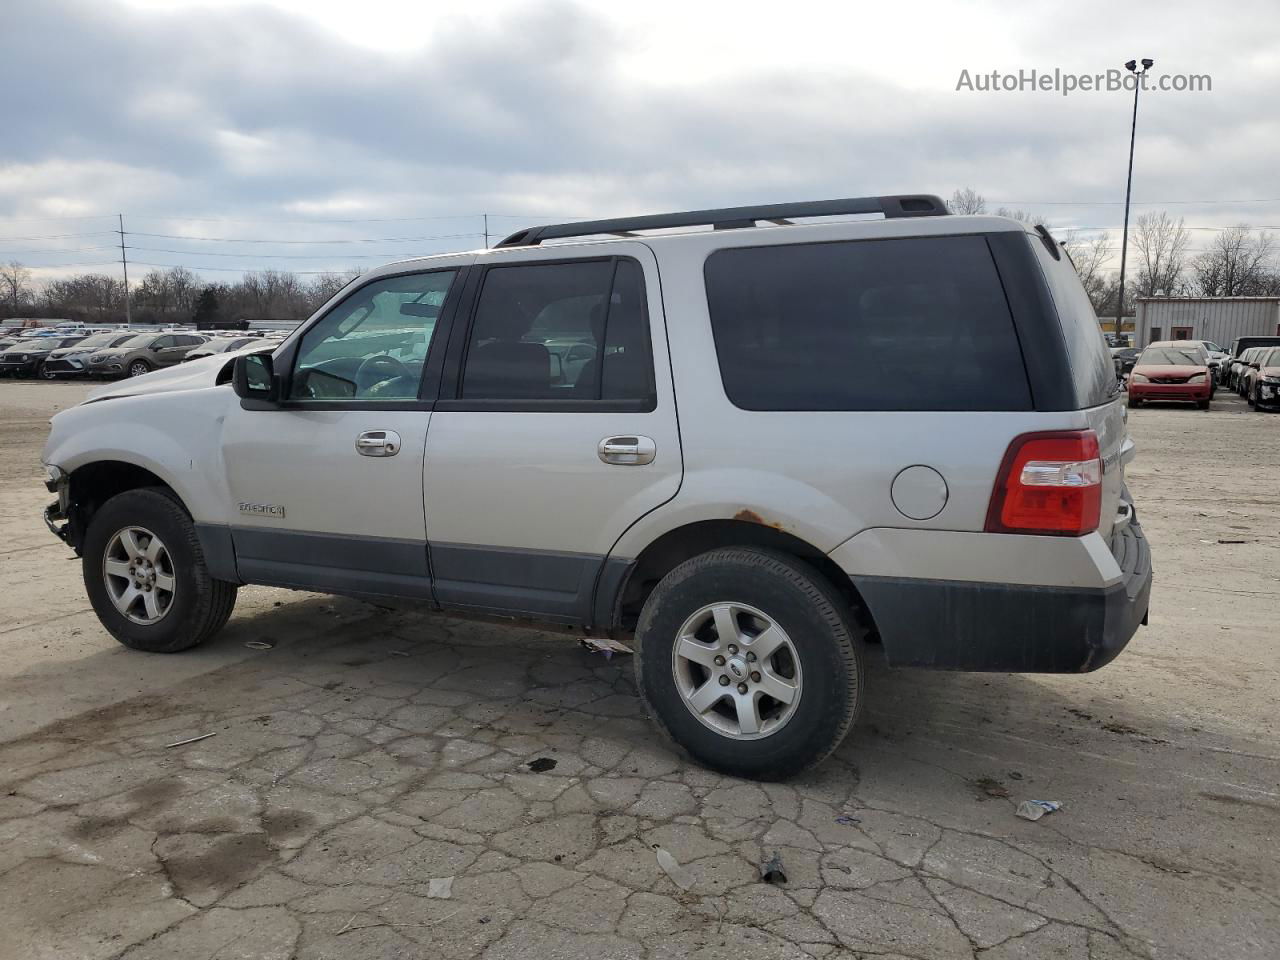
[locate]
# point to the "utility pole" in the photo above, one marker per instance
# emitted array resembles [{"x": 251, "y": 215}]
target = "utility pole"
[
  {"x": 124, "y": 265},
  {"x": 486, "y": 231},
  {"x": 1138, "y": 75}
]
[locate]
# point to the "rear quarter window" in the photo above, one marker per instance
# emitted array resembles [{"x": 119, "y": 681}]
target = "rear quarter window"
[
  {"x": 915, "y": 323},
  {"x": 1093, "y": 372}
]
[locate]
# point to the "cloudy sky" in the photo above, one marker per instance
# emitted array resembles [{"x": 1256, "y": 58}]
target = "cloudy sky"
[{"x": 315, "y": 134}]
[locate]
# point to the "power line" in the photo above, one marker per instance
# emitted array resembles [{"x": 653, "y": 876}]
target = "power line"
[
  {"x": 174, "y": 236},
  {"x": 303, "y": 273},
  {"x": 1117, "y": 203},
  {"x": 60, "y": 236},
  {"x": 280, "y": 256}
]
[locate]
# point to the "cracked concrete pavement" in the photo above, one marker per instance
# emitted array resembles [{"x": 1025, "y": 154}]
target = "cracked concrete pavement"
[{"x": 371, "y": 751}]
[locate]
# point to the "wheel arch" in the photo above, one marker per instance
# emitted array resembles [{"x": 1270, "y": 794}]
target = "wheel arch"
[
  {"x": 623, "y": 587},
  {"x": 93, "y": 484}
]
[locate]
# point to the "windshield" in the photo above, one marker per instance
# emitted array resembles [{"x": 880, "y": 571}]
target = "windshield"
[
  {"x": 1271, "y": 358},
  {"x": 99, "y": 340},
  {"x": 140, "y": 340},
  {"x": 1187, "y": 356}
]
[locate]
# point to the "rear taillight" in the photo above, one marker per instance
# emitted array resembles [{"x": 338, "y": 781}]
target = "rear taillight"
[{"x": 1049, "y": 484}]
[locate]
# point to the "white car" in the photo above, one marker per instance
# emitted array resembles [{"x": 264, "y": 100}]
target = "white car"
[{"x": 740, "y": 479}]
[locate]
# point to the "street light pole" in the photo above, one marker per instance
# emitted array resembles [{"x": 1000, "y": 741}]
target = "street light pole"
[{"x": 1132, "y": 67}]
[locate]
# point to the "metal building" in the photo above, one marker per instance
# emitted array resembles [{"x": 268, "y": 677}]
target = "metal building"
[{"x": 1220, "y": 319}]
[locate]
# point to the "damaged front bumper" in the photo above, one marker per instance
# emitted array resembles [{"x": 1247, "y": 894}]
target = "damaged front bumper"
[{"x": 57, "y": 515}]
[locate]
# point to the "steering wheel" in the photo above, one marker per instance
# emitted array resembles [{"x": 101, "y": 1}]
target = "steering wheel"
[{"x": 377, "y": 369}]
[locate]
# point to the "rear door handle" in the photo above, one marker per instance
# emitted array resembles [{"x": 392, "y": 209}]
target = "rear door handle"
[
  {"x": 627, "y": 451},
  {"x": 378, "y": 443}
]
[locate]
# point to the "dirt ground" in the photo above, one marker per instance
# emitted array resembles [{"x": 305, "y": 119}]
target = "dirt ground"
[{"x": 371, "y": 752}]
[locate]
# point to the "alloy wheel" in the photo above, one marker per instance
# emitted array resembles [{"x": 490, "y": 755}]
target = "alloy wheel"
[
  {"x": 737, "y": 671},
  {"x": 139, "y": 575}
]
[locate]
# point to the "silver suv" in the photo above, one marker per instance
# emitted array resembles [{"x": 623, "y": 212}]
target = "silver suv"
[{"x": 785, "y": 441}]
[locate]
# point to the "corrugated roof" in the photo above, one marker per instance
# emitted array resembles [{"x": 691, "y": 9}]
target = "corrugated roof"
[{"x": 1208, "y": 299}]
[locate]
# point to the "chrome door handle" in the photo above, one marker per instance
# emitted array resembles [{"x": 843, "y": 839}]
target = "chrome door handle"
[
  {"x": 627, "y": 451},
  {"x": 378, "y": 443}
]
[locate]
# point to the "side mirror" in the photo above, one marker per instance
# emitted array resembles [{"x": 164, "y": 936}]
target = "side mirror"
[{"x": 253, "y": 378}]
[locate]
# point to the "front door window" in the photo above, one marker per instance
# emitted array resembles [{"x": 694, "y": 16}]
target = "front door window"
[{"x": 373, "y": 345}]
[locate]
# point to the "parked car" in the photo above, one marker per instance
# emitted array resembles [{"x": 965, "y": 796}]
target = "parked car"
[
  {"x": 1124, "y": 358},
  {"x": 1217, "y": 357},
  {"x": 1241, "y": 366},
  {"x": 141, "y": 354},
  {"x": 703, "y": 488},
  {"x": 1241, "y": 344},
  {"x": 222, "y": 345},
  {"x": 1171, "y": 370},
  {"x": 71, "y": 361},
  {"x": 1262, "y": 378},
  {"x": 26, "y": 357}
]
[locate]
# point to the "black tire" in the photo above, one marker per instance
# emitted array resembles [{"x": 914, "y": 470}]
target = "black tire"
[
  {"x": 817, "y": 621},
  {"x": 1134, "y": 404},
  {"x": 200, "y": 606},
  {"x": 137, "y": 368},
  {"x": 1202, "y": 404},
  {"x": 44, "y": 373}
]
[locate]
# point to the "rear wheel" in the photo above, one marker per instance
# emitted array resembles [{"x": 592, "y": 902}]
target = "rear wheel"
[
  {"x": 146, "y": 577},
  {"x": 748, "y": 659},
  {"x": 138, "y": 368}
]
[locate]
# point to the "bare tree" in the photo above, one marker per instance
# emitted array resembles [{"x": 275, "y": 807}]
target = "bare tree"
[
  {"x": 967, "y": 200},
  {"x": 87, "y": 296},
  {"x": 1090, "y": 256},
  {"x": 166, "y": 296},
  {"x": 1238, "y": 263},
  {"x": 1160, "y": 246},
  {"x": 15, "y": 286},
  {"x": 1022, "y": 216},
  {"x": 325, "y": 285}
]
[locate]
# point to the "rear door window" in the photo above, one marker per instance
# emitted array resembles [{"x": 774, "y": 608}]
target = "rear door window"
[
  {"x": 574, "y": 331},
  {"x": 915, "y": 323}
]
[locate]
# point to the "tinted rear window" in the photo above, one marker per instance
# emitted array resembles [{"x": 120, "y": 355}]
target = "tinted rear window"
[{"x": 899, "y": 324}]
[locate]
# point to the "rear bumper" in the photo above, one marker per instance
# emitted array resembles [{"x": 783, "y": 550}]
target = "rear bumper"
[
  {"x": 1012, "y": 628},
  {"x": 1169, "y": 391}
]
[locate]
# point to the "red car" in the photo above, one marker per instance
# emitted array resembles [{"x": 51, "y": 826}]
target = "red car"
[{"x": 1171, "y": 370}]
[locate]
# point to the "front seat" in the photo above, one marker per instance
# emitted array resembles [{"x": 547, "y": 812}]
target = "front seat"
[{"x": 506, "y": 367}]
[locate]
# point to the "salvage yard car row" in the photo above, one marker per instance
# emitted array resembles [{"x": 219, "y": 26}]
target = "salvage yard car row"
[
  {"x": 1189, "y": 371},
  {"x": 111, "y": 353}
]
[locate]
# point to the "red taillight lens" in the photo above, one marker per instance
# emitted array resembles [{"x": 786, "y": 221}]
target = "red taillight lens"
[{"x": 1049, "y": 483}]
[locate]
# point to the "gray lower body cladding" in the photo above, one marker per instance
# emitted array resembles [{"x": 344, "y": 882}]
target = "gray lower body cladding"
[{"x": 1012, "y": 628}]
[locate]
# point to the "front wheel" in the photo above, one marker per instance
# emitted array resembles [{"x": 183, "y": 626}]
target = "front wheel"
[
  {"x": 146, "y": 576},
  {"x": 44, "y": 373},
  {"x": 748, "y": 659},
  {"x": 138, "y": 368}
]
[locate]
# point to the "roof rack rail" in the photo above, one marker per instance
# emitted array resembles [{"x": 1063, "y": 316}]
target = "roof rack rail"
[{"x": 726, "y": 218}]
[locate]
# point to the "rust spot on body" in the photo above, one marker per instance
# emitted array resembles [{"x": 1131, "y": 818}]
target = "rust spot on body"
[{"x": 750, "y": 516}]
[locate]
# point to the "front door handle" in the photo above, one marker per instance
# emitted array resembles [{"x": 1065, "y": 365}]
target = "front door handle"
[
  {"x": 378, "y": 443},
  {"x": 627, "y": 451}
]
